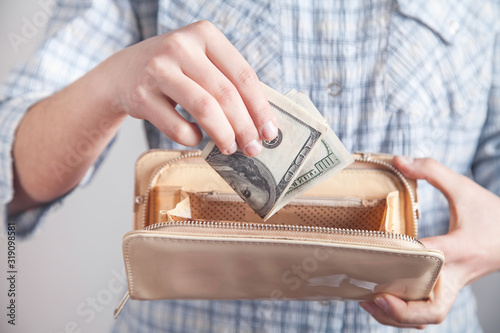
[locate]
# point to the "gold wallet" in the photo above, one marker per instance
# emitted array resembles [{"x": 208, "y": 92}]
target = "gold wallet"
[{"x": 351, "y": 237}]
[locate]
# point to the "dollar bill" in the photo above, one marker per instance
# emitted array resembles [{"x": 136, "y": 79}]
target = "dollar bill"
[
  {"x": 327, "y": 158},
  {"x": 262, "y": 181}
]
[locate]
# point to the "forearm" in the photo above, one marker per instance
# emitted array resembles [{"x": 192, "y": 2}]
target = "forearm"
[
  {"x": 59, "y": 139},
  {"x": 62, "y": 136}
]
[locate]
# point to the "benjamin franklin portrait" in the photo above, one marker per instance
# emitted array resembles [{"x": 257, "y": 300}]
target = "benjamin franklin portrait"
[{"x": 249, "y": 177}]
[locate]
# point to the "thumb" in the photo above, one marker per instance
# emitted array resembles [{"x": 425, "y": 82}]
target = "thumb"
[
  {"x": 441, "y": 242},
  {"x": 438, "y": 175},
  {"x": 448, "y": 245}
]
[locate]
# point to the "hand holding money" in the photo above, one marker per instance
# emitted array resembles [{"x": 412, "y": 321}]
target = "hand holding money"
[{"x": 305, "y": 152}]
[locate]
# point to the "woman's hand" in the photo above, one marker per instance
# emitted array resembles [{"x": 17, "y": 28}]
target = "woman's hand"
[
  {"x": 471, "y": 247},
  {"x": 198, "y": 68},
  {"x": 195, "y": 66}
]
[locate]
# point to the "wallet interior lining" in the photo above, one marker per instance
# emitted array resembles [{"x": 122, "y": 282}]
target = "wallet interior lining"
[
  {"x": 363, "y": 214},
  {"x": 364, "y": 182},
  {"x": 376, "y": 214}
]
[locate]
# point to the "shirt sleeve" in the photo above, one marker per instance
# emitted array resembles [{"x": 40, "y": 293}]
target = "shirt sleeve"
[
  {"x": 79, "y": 35},
  {"x": 486, "y": 165}
]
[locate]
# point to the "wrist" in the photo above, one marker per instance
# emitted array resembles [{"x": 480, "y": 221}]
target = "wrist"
[{"x": 101, "y": 82}]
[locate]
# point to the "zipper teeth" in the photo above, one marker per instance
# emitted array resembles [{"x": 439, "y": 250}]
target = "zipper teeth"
[
  {"x": 156, "y": 175},
  {"x": 283, "y": 227},
  {"x": 367, "y": 159}
]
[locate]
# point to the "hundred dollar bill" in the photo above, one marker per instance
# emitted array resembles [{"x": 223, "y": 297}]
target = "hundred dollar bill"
[
  {"x": 327, "y": 158},
  {"x": 262, "y": 181}
]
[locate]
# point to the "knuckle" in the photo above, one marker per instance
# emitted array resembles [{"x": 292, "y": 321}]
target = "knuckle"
[
  {"x": 155, "y": 66},
  {"x": 206, "y": 28},
  {"x": 140, "y": 94},
  {"x": 225, "y": 94},
  {"x": 247, "y": 134},
  {"x": 430, "y": 163},
  {"x": 400, "y": 318},
  {"x": 263, "y": 112},
  {"x": 179, "y": 132},
  {"x": 203, "y": 25},
  {"x": 203, "y": 106},
  {"x": 438, "y": 318},
  {"x": 175, "y": 43},
  {"x": 247, "y": 77}
]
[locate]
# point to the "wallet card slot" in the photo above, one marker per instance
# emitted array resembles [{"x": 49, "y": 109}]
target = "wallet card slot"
[{"x": 162, "y": 197}]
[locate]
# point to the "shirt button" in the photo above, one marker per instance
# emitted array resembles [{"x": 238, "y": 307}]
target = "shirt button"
[
  {"x": 453, "y": 27},
  {"x": 334, "y": 89}
]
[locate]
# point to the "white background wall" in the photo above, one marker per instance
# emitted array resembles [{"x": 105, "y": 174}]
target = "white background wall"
[
  {"x": 76, "y": 255},
  {"x": 70, "y": 274}
]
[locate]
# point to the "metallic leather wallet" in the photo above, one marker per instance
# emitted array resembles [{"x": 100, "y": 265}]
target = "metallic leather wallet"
[{"x": 350, "y": 237}]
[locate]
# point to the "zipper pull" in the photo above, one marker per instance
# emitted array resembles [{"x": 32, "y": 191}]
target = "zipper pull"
[
  {"x": 122, "y": 303},
  {"x": 139, "y": 199},
  {"x": 364, "y": 155}
]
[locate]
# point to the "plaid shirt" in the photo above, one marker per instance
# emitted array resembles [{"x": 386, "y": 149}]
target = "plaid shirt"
[{"x": 412, "y": 77}]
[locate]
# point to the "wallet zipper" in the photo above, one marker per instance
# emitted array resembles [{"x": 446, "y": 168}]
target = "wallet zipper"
[
  {"x": 362, "y": 237},
  {"x": 367, "y": 158}
]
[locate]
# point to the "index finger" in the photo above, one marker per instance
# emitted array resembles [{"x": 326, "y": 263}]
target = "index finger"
[{"x": 230, "y": 62}]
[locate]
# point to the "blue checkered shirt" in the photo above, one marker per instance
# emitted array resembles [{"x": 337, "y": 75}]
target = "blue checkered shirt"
[{"x": 412, "y": 77}]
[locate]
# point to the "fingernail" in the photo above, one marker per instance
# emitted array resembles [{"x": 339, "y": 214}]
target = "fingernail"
[
  {"x": 269, "y": 131},
  {"x": 406, "y": 160},
  {"x": 368, "y": 307},
  {"x": 231, "y": 149},
  {"x": 382, "y": 303},
  {"x": 253, "y": 148}
]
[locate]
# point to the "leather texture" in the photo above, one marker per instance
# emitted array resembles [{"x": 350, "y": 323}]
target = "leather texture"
[
  {"x": 164, "y": 266},
  {"x": 182, "y": 262}
]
